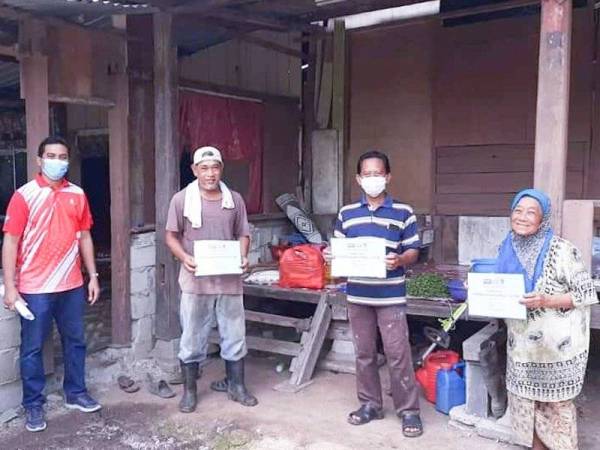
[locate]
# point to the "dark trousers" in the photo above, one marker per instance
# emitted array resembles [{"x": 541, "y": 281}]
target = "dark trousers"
[
  {"x": 67, "y": 309},
  {"x": 391, "y": 321}
]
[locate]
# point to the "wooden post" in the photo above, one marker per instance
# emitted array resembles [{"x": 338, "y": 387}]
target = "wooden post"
[
  {"x": 338, "y": 106},
  {"x": 167, "y": 171},
  {"x": 141, "y": 112},
  {"x": 552, "y": 118},
  {"x": 120, "y": 206},
  {"x": 578, "y": 227},
  {"x": 308, "y": 109},
  {"x": 34, "y": 87}
]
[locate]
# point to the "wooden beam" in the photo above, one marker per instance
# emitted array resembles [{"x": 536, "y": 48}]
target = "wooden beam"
[
  {"x": 213, "y": 88},
  {"x": 87, "y": 101},
  {"x": 338, "y": 105},
  {"x": 552, "y": 117},
  {"x": 166, "y": 170},
  {"x": 280, "y": 321},
  {"x": 141, "y": 113},
  {"x": 489, "y": 8},
  {"x": 312, "y": 342},
  {"x": 263, "y": 344},
  {"x": 206, "y": 6},
  {"x": 252, "y": 39},
  {"x": 348, "y": 8},
  {"x": 120, "y": 209},
  {"x": 308, "y": 123},
  {"x": 9, "y": 50},
  {"x": 34, "y": 89},
  {"x": 265, "y": 22}
]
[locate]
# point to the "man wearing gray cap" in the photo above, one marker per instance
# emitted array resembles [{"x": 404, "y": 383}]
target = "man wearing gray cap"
[{"x": 207, "y": 210}]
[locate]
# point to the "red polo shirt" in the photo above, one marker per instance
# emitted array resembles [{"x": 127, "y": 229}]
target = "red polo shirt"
[{"x": 49, "y": 222}]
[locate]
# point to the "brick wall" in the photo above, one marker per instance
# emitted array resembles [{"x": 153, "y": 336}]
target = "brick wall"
[
  {"x": 10, "y": 381},
  {"x": 143, "y": 293}
]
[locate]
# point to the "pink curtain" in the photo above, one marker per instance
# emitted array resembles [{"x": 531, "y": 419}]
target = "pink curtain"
[{"x": 233, "y": 126}]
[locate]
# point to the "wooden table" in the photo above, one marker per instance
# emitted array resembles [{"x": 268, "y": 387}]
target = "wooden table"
[{"x": 330, "y": 320}]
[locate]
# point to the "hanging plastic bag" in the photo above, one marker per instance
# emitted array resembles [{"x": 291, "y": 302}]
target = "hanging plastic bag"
[{"x": 302, "y": 266}]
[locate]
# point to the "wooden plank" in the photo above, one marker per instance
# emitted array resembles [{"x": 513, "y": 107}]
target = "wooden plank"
[
  {"x": 209, "y": 87},
  {"x": 141, "y": 110},
  {"x": 119, "y": 165},
  {"x": 166, "y": 170},
  {"x": 497, "y": 182},
  {"x": 270, "y": 45},
  {"x": 9, "y": 51},
  {"x": 311, "y": 347},
  {"x": 499, "y": 158},
  {"x": 264, "y": 345},
  {"x": 552, "y": 118},
  {"x": 473, "y": 204},
  {"x": 489, "y": 8},
  {"x": 308, "y": 123},
  {"x": 83, "y": 100},
  {"x": 325, "y": 85},
  {"x": 281, "y": 321},
  {"x": 279, "y": 293}
]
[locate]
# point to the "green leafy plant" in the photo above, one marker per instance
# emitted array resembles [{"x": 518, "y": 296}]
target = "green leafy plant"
[{"x": 427, "y": 285}]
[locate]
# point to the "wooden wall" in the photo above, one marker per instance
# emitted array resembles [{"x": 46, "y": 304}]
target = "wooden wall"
[
  {"x": 244, "y": 65},
  {"x": 243, "y": 69},
  {"x": 390, "y": 106},
  {"x": 82, "y": 64},
  {"x": 280, "y": 157},
  {"x": 485, "y": 89},
  {"x": 454, "y": 107}
]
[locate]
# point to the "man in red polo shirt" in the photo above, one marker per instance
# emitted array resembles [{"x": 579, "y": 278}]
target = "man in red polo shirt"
[{"x": 47, "y": 228}]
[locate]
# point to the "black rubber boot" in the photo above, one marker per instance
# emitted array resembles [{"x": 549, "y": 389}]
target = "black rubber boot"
[
  {"x": 236, "y": 389},
  {"x": 189, "y": 399},
  {"x": 492, "y": 357}
]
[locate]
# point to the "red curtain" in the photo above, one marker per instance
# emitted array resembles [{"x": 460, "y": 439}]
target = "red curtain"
[{"x": 233, "y": 126}]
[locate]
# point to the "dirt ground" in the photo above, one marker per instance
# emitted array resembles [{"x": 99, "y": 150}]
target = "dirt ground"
[{"x": 313, "y": 419}]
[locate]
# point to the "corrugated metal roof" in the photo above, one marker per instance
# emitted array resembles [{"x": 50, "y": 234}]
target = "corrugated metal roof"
[{"x": 67, "y": 8}]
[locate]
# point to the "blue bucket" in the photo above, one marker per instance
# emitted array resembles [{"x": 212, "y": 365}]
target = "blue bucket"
[{"x": 483, "y": 265}]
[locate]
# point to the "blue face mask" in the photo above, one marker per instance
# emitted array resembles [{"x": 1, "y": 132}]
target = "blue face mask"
[{"x": 55, "y": 169}]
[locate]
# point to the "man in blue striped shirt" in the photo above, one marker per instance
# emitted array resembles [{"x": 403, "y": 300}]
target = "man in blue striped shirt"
[{"x": 380, "y": 303}]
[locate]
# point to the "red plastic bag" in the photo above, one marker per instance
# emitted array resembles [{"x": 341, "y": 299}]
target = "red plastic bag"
[{"x": 302, "y": 267}]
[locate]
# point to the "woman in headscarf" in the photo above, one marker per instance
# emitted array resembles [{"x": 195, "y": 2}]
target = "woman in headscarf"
[{"x": 547, "y": 352}]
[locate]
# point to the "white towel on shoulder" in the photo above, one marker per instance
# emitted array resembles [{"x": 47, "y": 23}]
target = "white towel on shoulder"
[{"x": 192, "y": 205}]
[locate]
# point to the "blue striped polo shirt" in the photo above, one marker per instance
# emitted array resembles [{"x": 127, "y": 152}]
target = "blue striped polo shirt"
[{"x": 396, "y": 223}]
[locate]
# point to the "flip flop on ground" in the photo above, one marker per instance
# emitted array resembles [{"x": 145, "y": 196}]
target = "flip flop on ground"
[{"x": 159, "y": 388}]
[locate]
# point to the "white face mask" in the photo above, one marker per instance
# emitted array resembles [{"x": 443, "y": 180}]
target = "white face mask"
[{"x": 373, "y": 186}]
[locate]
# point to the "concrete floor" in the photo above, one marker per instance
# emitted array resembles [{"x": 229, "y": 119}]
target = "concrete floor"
[{"x": 313, "y": 419}]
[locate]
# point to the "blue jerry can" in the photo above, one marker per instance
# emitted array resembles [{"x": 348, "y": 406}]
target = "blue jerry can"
[{"x": 450, "y": 387}]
